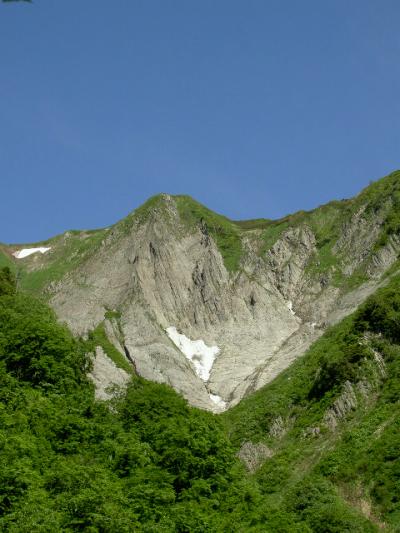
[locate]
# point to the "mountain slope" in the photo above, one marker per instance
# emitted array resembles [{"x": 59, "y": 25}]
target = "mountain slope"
[
  {"x": 331, "y": 421},
  {"x": 321, "y": 441},
  {"x": 260, "y": 292},
  {"x": 144, "y": 462}
]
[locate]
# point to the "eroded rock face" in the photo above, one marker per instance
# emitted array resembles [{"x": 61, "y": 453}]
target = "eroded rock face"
[
  {"x": 158, "y": 281},
  {"x": 106, "y": 376},
  {"x": 287, "y": 260},
  {"x": 346, "y": 402},
  {"x": 385, "y": 257},
  {"x": 159, "y": 274},
  {"x": 357, "y": 238},
  {"x": 353, "y": 394}
]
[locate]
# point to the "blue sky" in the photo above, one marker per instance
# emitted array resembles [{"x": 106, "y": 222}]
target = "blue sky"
[{"x": 257, "y": 108}]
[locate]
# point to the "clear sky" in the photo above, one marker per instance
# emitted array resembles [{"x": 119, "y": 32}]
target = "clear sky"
[{"x": 256, "y": 108}]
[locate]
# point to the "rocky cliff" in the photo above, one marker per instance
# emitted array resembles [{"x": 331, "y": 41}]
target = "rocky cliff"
[{"x": 254, "y": 294}]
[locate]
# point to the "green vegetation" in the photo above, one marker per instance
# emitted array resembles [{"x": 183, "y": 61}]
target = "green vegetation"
[
  {"x": 272, "y": 234},
  {"x": 67, "y": 252},
  {"x": 5, "y": 261},
  {"x": 224, "y": 232},
  {"x": 7, "y": 282},
  {"x": 355, "y": 463},
  {"x": 253, "y": 224},
  {"x": 386, "y": 193},
  {"x": 110, "y": 315},
  {"x": 141, "y": 214},
  {"x": 68, "y": 463},
  {"x": 98, "y": 337},
  {"x": 152, "y": 463}
]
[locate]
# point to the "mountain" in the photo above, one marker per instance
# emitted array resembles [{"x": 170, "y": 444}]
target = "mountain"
[
  {"x": 253, "y": 294},
  {"x": 308, "y": 440}
]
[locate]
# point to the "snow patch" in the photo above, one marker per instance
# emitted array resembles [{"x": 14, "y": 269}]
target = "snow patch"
[
  {"x": 290, "y": 307},
  {"x": 20, "y": 254},
  {"x": 201, "y": 355},
  {"x": 219, "y": 402}
]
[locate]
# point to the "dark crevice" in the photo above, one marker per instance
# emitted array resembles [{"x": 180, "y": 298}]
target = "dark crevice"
[{"x": 129, "y": 357}]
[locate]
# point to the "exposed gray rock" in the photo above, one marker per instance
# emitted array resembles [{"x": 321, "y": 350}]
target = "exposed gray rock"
[
  {"x": 312, "y": 432},
  {"x": 253, "y": 455},
  {"x": 384, "y": 257},
  {"x": 158, "y": 281},
  {"x": 159, "y": 273},
  {"x": 357, "y": 237},
  {"x": 287, "y": 259},
  {"x": 365, "y": 388},
  {"x": 380, "y": 363},
  {"x": 114, "y": 335},
  {"x": 278, "y": 428},
  {"x": 346, "y": 402},
  {"x": 106, "y": 376}
]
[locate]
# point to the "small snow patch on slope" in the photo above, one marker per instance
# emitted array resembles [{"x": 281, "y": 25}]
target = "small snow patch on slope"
[
  {"x": 219, "y": 402},
  {"x": 201, "y": 355},
  {"x": 20, "y": 254}
]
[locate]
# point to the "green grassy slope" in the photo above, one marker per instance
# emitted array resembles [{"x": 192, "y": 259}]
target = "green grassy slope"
[
  {"x": 225, "y": 232},
  {"x": 5, "y": 259},
  {"x": 67, "y": 251}
]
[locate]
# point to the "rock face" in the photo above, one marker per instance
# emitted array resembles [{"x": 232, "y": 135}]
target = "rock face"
[
  {"x": 158, "y": 281},
  {"x": 253, "y": 455},
  {"x": 106, "y": 375},
  {"x": 158, "y": 272},
  {"x": 346, "y": 402}
]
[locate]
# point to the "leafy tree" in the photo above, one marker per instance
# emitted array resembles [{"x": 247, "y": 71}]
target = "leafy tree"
[{"x": 7, "y": 282}]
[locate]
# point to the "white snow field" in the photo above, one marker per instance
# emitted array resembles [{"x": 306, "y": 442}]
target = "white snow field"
[
  {"x": 201, "y": 355},
  {"x": 20, "y": 254}
]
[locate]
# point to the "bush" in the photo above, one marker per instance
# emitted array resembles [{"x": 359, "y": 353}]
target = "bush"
[{"x": 7, "y": 282}]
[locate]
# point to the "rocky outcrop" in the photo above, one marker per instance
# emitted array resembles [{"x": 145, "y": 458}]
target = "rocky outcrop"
[
  {"x": 358, "y": 235},
  {"x": 385, "y": 257},
  {"x": 346, "y": 402},
  {"x": 287, "y": 259},
  {"x": 159, "y": 272},
  {"x": 278, "y": 428},
  {"x": 254, "y": 455},
  {"x": 157, "y": 281},
  {"x": 352, "y": 395},
  {"x": 106, "y": 376}
]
